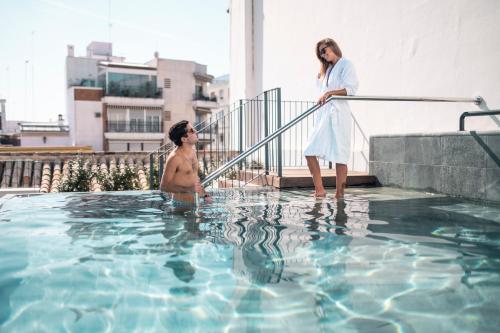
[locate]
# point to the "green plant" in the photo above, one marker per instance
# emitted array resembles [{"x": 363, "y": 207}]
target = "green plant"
[
  {"x": 231, "y": 173},
  {"x": 156, "y": 178},
  {"x": 79, "y": 177},
  {"x": 118, "y": 181},
  {"x": 255, "y": 165}
]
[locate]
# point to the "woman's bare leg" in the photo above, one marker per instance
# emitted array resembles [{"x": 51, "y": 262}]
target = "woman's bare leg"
[
  {"x": 313, "y": 165},
  {"x": 340, "y": 180}
]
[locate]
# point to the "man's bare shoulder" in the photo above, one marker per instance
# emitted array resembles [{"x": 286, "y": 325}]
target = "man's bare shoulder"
[{"x": 174, "y": 157}]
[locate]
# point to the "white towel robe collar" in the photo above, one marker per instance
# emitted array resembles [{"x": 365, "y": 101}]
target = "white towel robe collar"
[{"x": 330, "y": 138}]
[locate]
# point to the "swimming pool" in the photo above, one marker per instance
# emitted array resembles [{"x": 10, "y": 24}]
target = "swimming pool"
[{"x": 384, "y": 260}]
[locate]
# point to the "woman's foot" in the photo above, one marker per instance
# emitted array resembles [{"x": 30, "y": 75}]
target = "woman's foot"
[
  {"x": 320, "y": 194},
  {"x": 339, "y": 193}
]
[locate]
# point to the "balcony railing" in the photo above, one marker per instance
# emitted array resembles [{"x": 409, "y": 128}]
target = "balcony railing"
[
  {"x": 206, "y": 129},
  {"x": 134, "y": 127},
  {"x": 136, "y": 93},
  {"x": 199, "y": 97}
]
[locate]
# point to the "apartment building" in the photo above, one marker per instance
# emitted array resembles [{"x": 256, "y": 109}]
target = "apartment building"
[{"x": 114, "y": 105}]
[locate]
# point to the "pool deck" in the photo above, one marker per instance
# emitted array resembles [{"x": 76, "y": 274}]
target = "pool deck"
[
  {"x": 299, "y": 177},
  {"x": 20, "y": 190}
]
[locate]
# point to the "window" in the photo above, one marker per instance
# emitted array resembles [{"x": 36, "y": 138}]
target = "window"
[
  {"x": 221, "y": 94},
  {"x": 167, "y": 83},
  {"x": 198, "y": 91},
  {"x": 153, "y": 124},
  {"x": 197, "y": 118},
  {"x": 131, "y": 85}
]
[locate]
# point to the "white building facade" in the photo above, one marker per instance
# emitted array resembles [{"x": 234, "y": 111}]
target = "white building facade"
[
  {"x": 429, "y": 48},
  {"x": 114, "y": 105},
  {"x": 41, "y": 134}
]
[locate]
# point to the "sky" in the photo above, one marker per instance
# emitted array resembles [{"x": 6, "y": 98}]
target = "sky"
[{"x": 34, "y": 35}]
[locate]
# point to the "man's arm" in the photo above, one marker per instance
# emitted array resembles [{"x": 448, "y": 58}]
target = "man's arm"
[
  {"x": 167, "y": 179},
  {"x": 197, "y": 186}
]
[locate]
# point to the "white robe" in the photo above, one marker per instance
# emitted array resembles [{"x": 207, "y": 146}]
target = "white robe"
[{"x": 330, "y": 138}]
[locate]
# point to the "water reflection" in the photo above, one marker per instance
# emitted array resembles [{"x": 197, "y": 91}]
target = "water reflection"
[
  {"x": 283, "y": 251},
  {"x": 264, "y": 237},
  {"x": 248, "y": 259}
]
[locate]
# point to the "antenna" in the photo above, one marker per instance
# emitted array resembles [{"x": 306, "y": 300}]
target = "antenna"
[
  {"x": 7, "y": 82},
  {"x": 110, "y": 25},
  {"x": 109, "y": 21},
  {"x": 33, "y": 73},
  {"x": 26, "y": 62}
]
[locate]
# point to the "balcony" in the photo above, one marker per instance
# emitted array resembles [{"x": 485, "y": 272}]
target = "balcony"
[
  {"x": 203, "y": 103},
  {"x": 134, "y": 127},
  {"x": 135, "y": 93}
]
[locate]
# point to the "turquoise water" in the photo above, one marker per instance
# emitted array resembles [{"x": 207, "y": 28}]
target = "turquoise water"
[{"x": 385, "y": 260}]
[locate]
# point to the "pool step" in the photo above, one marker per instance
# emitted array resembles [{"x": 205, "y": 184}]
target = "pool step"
[{"x": 297, "y": 177}]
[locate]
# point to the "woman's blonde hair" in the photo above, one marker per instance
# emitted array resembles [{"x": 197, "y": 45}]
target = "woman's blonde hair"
[{"x": 328, "y": 42}]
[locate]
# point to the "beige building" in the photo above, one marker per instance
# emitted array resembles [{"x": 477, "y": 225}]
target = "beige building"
[{"x": 115, "y": 105}]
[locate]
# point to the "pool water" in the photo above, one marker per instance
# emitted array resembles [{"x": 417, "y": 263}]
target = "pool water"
[{"x": 383, "y": 260}]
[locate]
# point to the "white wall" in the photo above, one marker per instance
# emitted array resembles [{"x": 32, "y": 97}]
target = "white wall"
[
  {"x": 85, "y": 128},
  {"x": 399, "y": 47},
  {"x": 52, "y": 140},
  {"x": 88, "y": 129},
  {"x": 242, "y": 69}
]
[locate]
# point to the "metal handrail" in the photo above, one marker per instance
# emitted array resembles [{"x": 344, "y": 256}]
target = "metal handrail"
[
  {"x": 461, "y": 126},
  {"x": 476, "y": 100}
]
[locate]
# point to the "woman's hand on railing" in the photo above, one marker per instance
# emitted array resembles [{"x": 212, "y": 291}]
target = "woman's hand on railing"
[{"x": 324, "y": 97}]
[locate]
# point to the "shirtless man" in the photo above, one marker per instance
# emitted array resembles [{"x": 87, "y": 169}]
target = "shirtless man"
[{"x": 180, "y": 176}]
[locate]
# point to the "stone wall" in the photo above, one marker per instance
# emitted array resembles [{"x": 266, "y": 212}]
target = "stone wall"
[{"x": 465, "y": 164}]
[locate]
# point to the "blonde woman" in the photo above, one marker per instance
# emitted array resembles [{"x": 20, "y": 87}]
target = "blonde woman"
[{"x": 331, "y": 137}]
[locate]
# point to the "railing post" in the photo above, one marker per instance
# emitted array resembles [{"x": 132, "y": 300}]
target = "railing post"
[
  {"x": 241, "y": 131},
  {"x": 151, "y": 171},
  {"x": 278, "y": 125},
  {"x": 160, "y": 168},
  {"x": 461, "y": 126},
  {"x": 266, "y": 132}
]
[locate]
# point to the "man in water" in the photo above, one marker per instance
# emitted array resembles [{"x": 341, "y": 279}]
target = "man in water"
[{"x": 180, "y": 176}]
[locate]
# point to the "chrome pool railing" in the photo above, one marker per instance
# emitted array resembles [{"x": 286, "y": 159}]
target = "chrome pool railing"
[{"x": 461, "y": 126}]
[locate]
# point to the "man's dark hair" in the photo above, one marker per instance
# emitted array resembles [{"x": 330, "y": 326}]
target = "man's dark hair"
[{"x": 177, "y": 131}]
